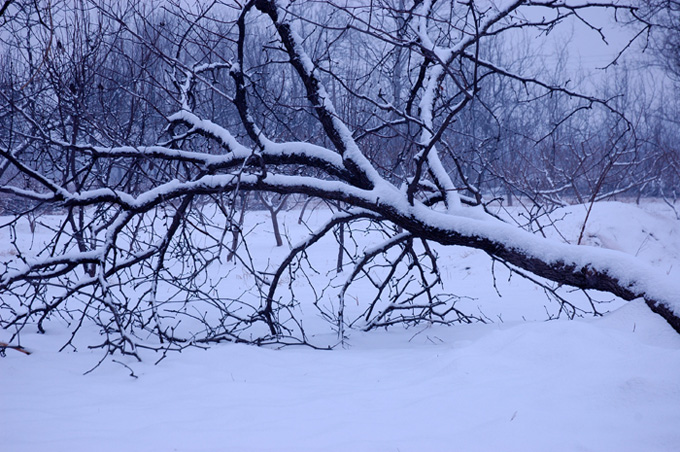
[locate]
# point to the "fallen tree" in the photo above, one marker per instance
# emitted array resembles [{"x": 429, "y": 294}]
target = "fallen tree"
[{"x": 132, "y": 210}]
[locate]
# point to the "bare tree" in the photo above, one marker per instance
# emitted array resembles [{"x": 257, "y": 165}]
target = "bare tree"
[{"x": 232, "y": 113}]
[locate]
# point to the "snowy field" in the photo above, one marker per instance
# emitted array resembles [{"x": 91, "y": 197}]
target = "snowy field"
[{"x": 516, "y": 383}]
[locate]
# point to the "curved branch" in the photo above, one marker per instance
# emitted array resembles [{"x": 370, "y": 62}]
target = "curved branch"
[{"x": 336, "y": 220}]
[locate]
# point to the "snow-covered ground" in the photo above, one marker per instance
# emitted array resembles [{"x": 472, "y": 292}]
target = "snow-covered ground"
[{"x": 610, "y": 383}]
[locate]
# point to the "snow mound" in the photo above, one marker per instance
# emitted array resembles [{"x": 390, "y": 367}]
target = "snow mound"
[
  {"x": 597, "y": 384},
  {"x": 609, "y": 384},
  {"x": 650, "y": 236}
]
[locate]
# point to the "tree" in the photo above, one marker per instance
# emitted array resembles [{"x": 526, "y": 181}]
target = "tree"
[
  {"x": 663, "y": 16},
  {"x": 233, "y": 112}
]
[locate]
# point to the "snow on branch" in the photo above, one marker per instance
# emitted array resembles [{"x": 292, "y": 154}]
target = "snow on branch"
[{"x": 335, "y": 128}]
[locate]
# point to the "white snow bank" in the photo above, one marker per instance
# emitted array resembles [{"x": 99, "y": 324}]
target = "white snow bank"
[
  {"x": 605, "y": 384},
  {"x": 609, "y": 384},
  {"x": 650, "y": 236}
]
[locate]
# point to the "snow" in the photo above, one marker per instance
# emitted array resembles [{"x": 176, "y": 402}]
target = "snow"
[
  {"x": 646, "y": 234},
  {"x": 592, "y": 384},
  {"x": 601, "y": 385},
  {"x": 210, "y": 128}
]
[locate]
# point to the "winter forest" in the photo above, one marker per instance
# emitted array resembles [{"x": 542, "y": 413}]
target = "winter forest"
[{"x": 401, "y": 191}]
